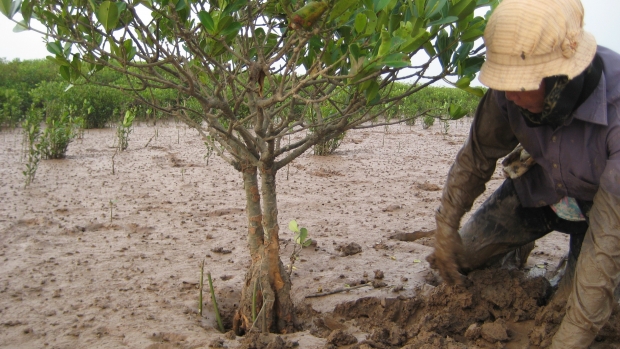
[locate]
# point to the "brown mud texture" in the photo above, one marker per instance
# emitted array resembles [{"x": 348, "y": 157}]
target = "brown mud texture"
[
  {"x": 494, "y": 308},
  {"x": 105, "y": 250}
]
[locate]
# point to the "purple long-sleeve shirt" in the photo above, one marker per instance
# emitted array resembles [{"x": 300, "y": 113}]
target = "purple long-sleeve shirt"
[
  {"x": 573, "y": 160},
  {"x": 578, "y": 157}
]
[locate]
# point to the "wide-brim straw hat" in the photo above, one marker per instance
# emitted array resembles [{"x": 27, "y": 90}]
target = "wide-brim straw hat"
[{"x": 528, "y": 40}]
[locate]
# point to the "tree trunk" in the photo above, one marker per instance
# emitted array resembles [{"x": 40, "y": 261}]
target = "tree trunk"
[{"x": 265, "y": 299}]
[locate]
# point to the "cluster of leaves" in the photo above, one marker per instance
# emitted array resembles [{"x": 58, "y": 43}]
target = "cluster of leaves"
[
  {"x": 59, "y": 131},
  {"x": 31, "y": 127},
  {"x": 50, "y": 143},
  {"x": 123, "y": 130}
]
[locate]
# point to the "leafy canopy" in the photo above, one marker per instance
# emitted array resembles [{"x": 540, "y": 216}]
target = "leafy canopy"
[{"x": 256, "y": 71}]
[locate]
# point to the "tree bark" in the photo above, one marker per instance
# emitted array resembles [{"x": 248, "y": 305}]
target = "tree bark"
[{"x": 265, "y": 299}]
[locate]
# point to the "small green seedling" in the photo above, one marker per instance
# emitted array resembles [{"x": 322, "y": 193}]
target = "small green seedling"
[
  {"x": 301, "y": 234},
  {"x": 123, "y": 130},
  {"x": 301, "y": 241}
]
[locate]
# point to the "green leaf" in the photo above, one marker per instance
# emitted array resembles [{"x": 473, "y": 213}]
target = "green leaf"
[
  {"x": 470, "y": 66},
  {"x": 372, "y": 22},
  {"x": 20, "y": 26},
  {"x": 65, "y": 72},
  {"x": 372, "y": 91},
  {"x": 9, "y": 7},
  {"x": 430, "y": 50},
  {"x": 55, "y": 47},
  {"x": 182, "y": 4},
  {"x": 456, "y": 112},
  {"x": 472, "y": 34},
  {"x": 121, "y": 6},
  {"x": 114, "y": 48},
  {"x": 462, "y": 52},
  {"x": 66, "y": 49},
  {"x": 206, "y": 21},
  {"x": 59, "y": 61},
  {"x": 476, "y": 91},
  {"x": 303, "y": 234},
  {"x": 76, "y": 65},
  {"x": 462, "y": 9},
  {"x": 130, "y": 50},
  {"x": 360, "y": 23},
  {"x": 355, "y": 50},
  {"x": 397, "y": 60},
  {"x": 380, "y": 4},
  {"x": 231, "y": 28},
  {"x": 292, "y": 226},
  {"x": 463, "y": 82},
  {"x": 385, "y": 44},
  {"x": 419, "y": 4},
  {"x": 234, "y": 7},
  {"x": 26, "y": 10},
  {"x": 15, "y": 6},
  {"x": 433, "y": 7},
  {"x": 449, "y": 19},
  {"x": 414, "y": 44},
  {"x": 5, "y": 7},
  {"x": 223, "y": 23},
  {"x": 340, "y": 7},
  {"x": 107, "y": 14}
]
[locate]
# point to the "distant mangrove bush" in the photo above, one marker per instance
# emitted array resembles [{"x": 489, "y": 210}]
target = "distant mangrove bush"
[{"x": 37, "y": 82}]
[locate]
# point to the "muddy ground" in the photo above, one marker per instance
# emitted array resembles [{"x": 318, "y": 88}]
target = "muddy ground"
[{"x": 93, "y": 258}]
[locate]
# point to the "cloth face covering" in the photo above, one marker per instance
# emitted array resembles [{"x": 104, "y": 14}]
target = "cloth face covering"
[{"x": 563, "y": 96}]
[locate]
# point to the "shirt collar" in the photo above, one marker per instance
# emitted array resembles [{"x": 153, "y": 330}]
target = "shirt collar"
[{"x": 594, "y": 109}]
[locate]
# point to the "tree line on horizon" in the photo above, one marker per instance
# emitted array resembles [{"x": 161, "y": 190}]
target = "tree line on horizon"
[{"x": 36, "y": 84}]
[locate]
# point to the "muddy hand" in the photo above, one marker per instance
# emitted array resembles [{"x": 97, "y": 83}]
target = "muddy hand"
[
  {"x": 447, "y": 257},
  {"x": 447, "y": 266}
]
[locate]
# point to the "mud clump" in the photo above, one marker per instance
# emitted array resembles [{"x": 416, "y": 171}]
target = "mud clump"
[
  {"x": 350, "y": 249},
  {"x": 494, "y": 332},
  {"x": 340, "y": 338}
]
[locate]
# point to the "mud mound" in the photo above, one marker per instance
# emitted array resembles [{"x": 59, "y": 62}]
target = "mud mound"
[{"x": 489, "y": 301}]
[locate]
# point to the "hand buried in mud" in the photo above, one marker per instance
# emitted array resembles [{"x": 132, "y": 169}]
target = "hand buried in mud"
[{"x": 447, "y": 257}]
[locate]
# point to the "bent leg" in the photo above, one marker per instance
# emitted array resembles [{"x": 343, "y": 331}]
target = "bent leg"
[{"x": 501, "y": 225}]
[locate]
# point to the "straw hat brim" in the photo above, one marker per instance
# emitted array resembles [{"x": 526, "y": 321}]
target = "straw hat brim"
[{"x": 511, "y": 74}]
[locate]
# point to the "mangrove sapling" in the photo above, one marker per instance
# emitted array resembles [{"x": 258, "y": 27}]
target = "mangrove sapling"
[
  {"x": 445, "y": 127},
  {"x": 113, "y": 156},
  {"x": 428, "y": 121},
  {"x": 59, "y": 131},
  {"x": 300, "y": 241},
  {"x": 210, "y": 150},
  {"x": 32, "y": 131},
  {"x": 123, "y": 130}
]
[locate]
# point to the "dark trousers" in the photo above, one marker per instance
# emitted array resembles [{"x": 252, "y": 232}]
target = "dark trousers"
[{"x": 502, "y": 226}]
